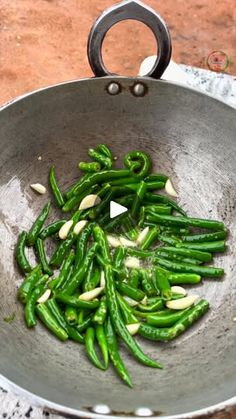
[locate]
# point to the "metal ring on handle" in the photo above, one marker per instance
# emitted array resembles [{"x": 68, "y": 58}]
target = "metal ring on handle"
[{"x": 136, "y": 10}]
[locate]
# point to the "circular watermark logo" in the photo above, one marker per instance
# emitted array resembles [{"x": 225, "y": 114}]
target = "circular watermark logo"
[{"x": 218, "y": 61}]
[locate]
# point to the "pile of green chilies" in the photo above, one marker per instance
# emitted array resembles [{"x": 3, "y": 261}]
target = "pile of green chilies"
[{"x": 87, "y": 291}]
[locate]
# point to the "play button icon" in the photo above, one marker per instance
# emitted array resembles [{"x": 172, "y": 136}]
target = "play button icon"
[{"x": 116, "y": 209}]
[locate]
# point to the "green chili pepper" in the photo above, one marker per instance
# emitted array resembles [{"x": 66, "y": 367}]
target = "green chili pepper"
[
  {"x": 103, "y": 149},
  {"x": 51, "y": 229},
  {"x": 90, "y": 167},
  {"x": 90, "y": 348},
  {"x": 114, "y": 354},
  {"x": 71, "y": 315},
  {"x": 183, "y": 221},
  {"x": 176, "y": 231},
  {"x": 74, "y": 301},
  {"x": 207, "y": 237},
  {"x": 37, "y": 225},
  {"x": 62, "y": 250},
  {"x": 82, "y": 243},
  {"x": 94, "y": 212},
  {"x": 101, "y": 313},
  {"x": 180, "y": 278},
  {"x": 57, "y": 313},
  {"x": 102, "y": 343},
  {"x": 164, "y": 319},
  {"x": 171, "y": 240},
  {"x": 65, "y": 270},
  {"x": 53, "y": 283},
  {"x": 81, "y": 327},
  {"x": 134, "y": 278},
  {"x": 126, "y": 310},
  {"x": 162, "y": 199},
  {"x": 131, "y": 159},
  {"x": 147, "y": 284},
  {"x": 119, "y": 257},
  {"x": 75, "y": 200},
  {"x": 151, "y": 236},
  {"x": 29, "y": 283},
  {"x": 196, "y": 254},
  {"x": 55, "y": 188},
  {"x": 30, "y": 317},
  {"x": 129, "y": 228},
  {"x": 131, "y": 292},
  {"x": 21, "y": 258},
  {"x": 155, "y": 306},
  {"x": 91, "y": 282},
  {"x": 80, "y": 272},
  {"x": 216, "y": 246},
  {"x": 158, "y": 209},
  {"x": 178, "y": 258},
  {"x": 119, "y": 324},
  {"x": 162, "y": 283},
  {"x": 206, "y": 271},
  {"x": 141, "y": 190},
  {"x": 156, "y": 177},
  {"x": 50, "y": 322},
  {"x": 141, "y": 254},
  {"x": 101, "y": 239},
  {"x": 105, "y": 161},
  {"x": 39, "y": 247},
  {"x": 187, "y": 319},
  {"x": 70, "y": 191}
]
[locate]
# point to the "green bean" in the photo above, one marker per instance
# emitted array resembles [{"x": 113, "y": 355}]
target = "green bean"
[
  {"x": 90, "y": 167},
  {"x": 105, "y": 161},
  {"x": 162, "y": 283},
  {"x": 147, "y": 284},
  {"x": 74, "y": 301},
  {"x": 206, "y": 237},
  {"x": 90, "y": 348},
  {"x": 216, "y": 246},
  {"x": 166, "y": 334},
  {"x": 37, "y": 225},
  {"x": 151, "y": 237},
  {"x": 50, "y": 322},
  {"x": 62, "y": 250},
  {"x": 162, "y": 199},
  {"x": 131, "y": 159},
  {"x": 71, "y": 315},
  {"x": 126, "y": 310},
  {"x": 101, "y": 239},
  {"x": 131, "y": 292},
  {"x": 100, "y": 314},
  {"x": 30, "y": 317},
  {"x": 21, "y": 258},
  {"x": 104, "y": 149},
  {"x": 55, "y": 188},
  {"x": 102, "y": 343},
  {"x": 185, "y": 221},
  {"x": 165, "y": 319},
  {"x": 81, "y": 271},
  {"x": 65, "y": 270},
  {"x": 114, "y": 354},
  {"x": 140, "y": 192},
  {"x": 206, "y": 271},
  {"x": 196, "y": 254},
  {"x": 51, "y": 229},
  {"x": 40, "y": 250},
  {"x": 119, "y": 324},
  {"x": 119, "y": 257},
  {"x": 29, "y": 283}
]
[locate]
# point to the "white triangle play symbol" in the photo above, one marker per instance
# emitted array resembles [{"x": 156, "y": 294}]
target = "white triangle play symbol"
[{"x": 116, "y": 209}]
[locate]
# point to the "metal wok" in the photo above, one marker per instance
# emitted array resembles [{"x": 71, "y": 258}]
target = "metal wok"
[{"x": 190, "y": 136}]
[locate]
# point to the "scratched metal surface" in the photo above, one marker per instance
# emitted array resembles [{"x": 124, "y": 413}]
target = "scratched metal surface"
[{"x": 189, "y": 136}]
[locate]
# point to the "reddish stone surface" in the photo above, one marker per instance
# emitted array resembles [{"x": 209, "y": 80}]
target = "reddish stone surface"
[{"x": 43, "y": 42}]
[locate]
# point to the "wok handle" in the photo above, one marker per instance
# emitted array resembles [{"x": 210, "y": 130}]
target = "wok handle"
[{"x": 129, "y": 9}]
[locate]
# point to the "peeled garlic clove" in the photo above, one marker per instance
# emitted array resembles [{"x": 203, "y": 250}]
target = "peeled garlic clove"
[
  {"x": 65, "y": 229},
  {"x": 89, "y": 201},
  {"x": 130, "y": 301},
  {"x": 79, "y": 226},
  {"x": 44, "y": 297},
  {"x": 102, "y": 280},
  {"x": 38, "y": 188},
  {"x": 90, "y": 295},
  {"x": 127, "y": 243},
  {"x": 133, "y": 328},
  {"x": 179, "y": 290},
  {"x": 113, "y": 241},
  {"x": 132, "y": 262},
  {"x": 142, "y": 235},
  {"x": 182, "y": 303},
  {"x": 169, "y": 188}
]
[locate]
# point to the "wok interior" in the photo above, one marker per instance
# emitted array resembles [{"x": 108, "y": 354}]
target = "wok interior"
[{"x": 190, "y": 137}]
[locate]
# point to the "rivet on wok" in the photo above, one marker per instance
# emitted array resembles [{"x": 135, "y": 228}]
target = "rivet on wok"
[
  {"x": 102, "y": 409},
  {"x": 139, "y": 89},
  {"x": 113, "y": 88},
  {"x": 143, "y": 411}
]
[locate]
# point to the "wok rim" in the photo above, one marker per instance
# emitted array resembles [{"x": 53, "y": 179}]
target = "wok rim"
[{"x": 56, "y": 408}]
